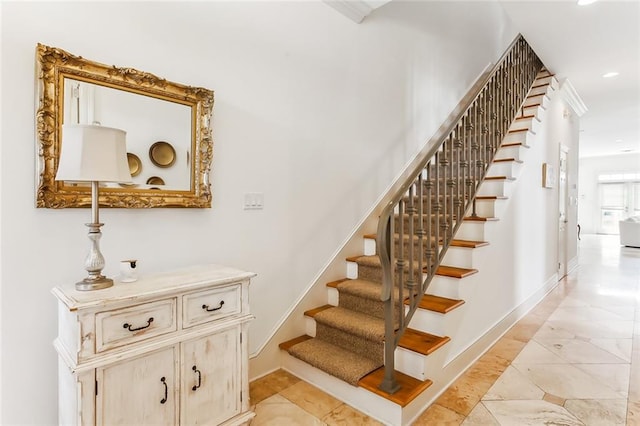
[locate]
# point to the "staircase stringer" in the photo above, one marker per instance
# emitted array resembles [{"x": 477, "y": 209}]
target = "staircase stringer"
[{"x": 444, "y": 183}]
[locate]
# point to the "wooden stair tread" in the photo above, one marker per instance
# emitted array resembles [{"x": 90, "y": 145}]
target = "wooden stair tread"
[
  {"x": 455, "y": 272},
  {"x": 509, "y": 144},
  {"x": 468, "y": 243},
  {"x": 409, "y": 390},
  {"x": 491, "y": 197},
  {"x": 528, "y": 117},
  {"x": 541, "y": 85},
  {"x": 537, "y": 96},
  {"x": 480, "y": 219},
  {"x": 439, "y": 304},
  {"x": 521, "y": 130},
  {"x": 454, "y": 243},
  {"x": 334, "y": 284},
  {"x": 313, "y": 312},
  {"x": 289, "y": 343},
  {"x": 499, "y": 178},
  {"x": 443, "y": 270},
  {"x": 507, "y": 160},
  {"x": 421, "y": 342}
]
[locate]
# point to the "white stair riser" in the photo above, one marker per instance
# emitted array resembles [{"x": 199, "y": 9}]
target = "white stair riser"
[
  {"x": 516, "y": 152},
  {"x": 504, "y": 168},
  {"x": 524, "y": 137},
  {"x": 417, "y": 365},
  {"x": 369, "y": 246},
  {"x": 460, "y": 257},
  {"x": 446, "y": 287},
  {"x": 540, "y": 90},
  {"x": 543, "y": 80},
  {"x": 352, "y": 270},
  {"x": 495, "y": 187},
  {"x": 436, "y": 323},
  {"x": 490, "y": 208},
  {"x": 536, "y": 111},
  {"x": 522, "y": 123},
  {"x": 333, "y": 296},
  {"x": 474, "y": 231},
  {"x": 310, "y": 326},
  {"x": 532, "y": 100}
]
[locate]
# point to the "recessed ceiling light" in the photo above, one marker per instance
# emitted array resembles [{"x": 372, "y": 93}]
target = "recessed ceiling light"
[
  {"x": 585, "y": 2},
  {"x": 610, "y": 74}
]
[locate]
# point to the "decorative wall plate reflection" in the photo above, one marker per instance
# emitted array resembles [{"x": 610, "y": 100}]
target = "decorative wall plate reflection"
[
  {"x": 155, "y": 180},
  {"x": 162, "y": 154},
  {"x": 135, "y": 165}
]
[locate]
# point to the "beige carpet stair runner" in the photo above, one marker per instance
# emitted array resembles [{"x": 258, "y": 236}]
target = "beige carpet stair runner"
[{"x": 349, "y": 342}]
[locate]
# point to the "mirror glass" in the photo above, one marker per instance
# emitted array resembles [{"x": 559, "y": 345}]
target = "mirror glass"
[{"x": 169, "y": 145}]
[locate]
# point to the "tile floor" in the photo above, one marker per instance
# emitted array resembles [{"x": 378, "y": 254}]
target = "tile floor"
[{"x": 573, "y": 360}]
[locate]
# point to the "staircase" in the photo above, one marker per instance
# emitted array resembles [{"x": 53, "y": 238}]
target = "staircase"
[{"x": 383, "y": 335}]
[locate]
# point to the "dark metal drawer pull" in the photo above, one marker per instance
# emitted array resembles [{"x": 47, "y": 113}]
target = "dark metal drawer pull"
[
  {"x": 206, "y": 307},
  {"x": 128, "y": 326},
  {"x": 195, "y": 387},
  {"x": 166, "y": 390}
]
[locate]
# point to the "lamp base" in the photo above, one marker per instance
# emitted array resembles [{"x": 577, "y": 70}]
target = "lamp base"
[{"x": 91, "y": 283}]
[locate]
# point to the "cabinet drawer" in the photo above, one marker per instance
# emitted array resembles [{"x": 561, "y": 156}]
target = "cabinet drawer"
[
  {"x": 129, "y": 325},
  {"x": 210, "y": 305}
]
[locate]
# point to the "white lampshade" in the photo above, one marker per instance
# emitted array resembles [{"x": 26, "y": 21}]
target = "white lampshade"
[{"x": 93, "y": 153}]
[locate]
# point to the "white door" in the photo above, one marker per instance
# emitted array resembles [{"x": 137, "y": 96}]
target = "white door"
[
  {"x": 141, "y": 391},
  {"x": 563, "y": 203},
  {"x": 618, "y": 201},
  {"x": 211, "y": 378}
]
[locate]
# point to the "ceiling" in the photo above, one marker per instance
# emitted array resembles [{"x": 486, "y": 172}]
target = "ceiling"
[{"x": 581, "y": 44}]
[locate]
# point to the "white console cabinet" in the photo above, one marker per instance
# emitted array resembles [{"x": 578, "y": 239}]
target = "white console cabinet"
[{"x": 168, "y": 349}]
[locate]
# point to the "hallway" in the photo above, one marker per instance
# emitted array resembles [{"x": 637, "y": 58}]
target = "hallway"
[{"x": 573, "y": 360}]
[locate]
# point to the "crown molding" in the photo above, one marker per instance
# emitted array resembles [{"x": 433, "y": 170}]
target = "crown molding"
[
  {"x": 572, "y": 97},
  {"x": 356, "y": 10}
]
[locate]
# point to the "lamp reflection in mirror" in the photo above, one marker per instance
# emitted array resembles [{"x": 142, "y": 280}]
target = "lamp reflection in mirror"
[{"x": 93, "y": 154}]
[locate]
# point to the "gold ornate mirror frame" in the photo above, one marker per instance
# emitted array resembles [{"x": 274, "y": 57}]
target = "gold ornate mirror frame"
[{"x": 53, "y": 67}]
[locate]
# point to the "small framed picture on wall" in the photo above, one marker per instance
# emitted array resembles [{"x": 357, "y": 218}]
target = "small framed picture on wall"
[{"x": 548, "y": 175}]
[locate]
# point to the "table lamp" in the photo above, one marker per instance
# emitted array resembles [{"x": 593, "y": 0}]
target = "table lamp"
[{"x": 93, "y": 154}]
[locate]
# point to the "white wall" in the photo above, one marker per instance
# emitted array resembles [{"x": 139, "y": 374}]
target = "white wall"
[
  {"x": 313, "y": 110},
  {"x": 590, "y": 168}
]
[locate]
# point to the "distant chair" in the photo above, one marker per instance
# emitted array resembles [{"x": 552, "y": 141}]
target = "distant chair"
[{"x": 630, "y": 232}]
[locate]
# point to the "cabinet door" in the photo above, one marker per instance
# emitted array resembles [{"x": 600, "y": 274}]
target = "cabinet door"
[
  {"x": 211, "y": 379},
  {"x": 139, "y": 391}
]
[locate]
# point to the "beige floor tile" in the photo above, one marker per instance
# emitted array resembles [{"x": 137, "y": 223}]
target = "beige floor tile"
[
  {"x": 613, "y": 376},
  {"x": 311, "y": 399},
  {"x": 569, "y": 329},
  {"x": 535, "y": 353},
  {"x": 566, "y": 381},
  {"x": 633, "y": 413},
  {"x": 593, "y": 313},
  {"x": 609, "y": 412},
  {"x": 344, "y": 415},
  {"x": 439, "y": 415},
  {"x": 480, "y": 416},
  {"x": 578, "y": 351},
  {"x": 278, "y": 411},
  {"x": 513, "y": 385},
  {"x": 522, "y": 413},
  {"x": 264, "y": 387},
  {"x": 466, "y": 392},
  {"x": 618, "y": 347}
]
